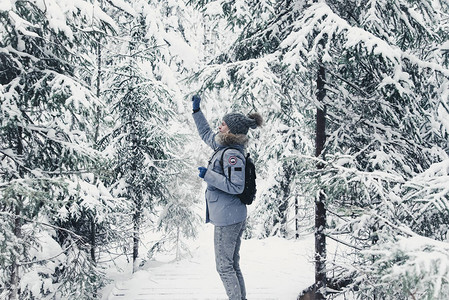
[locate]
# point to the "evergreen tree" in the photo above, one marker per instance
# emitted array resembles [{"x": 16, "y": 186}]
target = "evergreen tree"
[
  {"x": 178, "y": 221},
  {"x": 46, "y": 147},
  {"x": 144, "y": 98},
  {"x": 383, "y": 95}
]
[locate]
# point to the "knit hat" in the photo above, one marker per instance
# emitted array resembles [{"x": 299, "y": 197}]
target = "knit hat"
[{"x": 239, "y": 123}]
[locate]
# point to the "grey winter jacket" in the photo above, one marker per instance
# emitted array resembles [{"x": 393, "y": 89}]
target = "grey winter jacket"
[{"x": 223, "y": 207}]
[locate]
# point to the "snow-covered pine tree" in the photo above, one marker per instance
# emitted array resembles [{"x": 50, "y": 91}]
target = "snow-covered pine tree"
[
  {"x": 178, "y": 221},
  {"x": 46, "y": 149},
  {"x": 384, "y": 74},
  {"x": 145, "y": 64}
]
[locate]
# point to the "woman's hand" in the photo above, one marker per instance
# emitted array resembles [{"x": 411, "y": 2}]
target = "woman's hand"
[
  {"x": 203, "y": 171},
  {"x": 196, "y": 102}
]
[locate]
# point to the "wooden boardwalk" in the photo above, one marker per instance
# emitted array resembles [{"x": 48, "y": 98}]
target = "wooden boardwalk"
[
  {"x": 270, "y": 274},
  {"x": 182, "y": 284}
]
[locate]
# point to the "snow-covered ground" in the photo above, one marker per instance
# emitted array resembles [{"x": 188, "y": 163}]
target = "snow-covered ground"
[{"x": 274, "y": 268}]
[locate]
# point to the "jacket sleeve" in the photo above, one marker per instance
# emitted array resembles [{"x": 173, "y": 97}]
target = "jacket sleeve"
[
  {"x": 233, "y": 180},
  {"x": 204, "y": 130}
]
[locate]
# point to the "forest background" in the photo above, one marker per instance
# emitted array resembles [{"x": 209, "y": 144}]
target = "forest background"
[{"x": 98, "y": 147}]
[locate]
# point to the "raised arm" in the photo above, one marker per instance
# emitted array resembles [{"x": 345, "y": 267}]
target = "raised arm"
[{"x": 204, "y": 130}]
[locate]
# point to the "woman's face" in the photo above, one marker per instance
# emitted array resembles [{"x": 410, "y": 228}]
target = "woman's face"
[{"x": 223, "y": 128}]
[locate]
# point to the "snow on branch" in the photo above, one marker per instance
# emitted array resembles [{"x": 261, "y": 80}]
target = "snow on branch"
[
  {"x": 319, "y": 23},
  {"x": 255, "y": 77},
  {"x": 71, "y": 233},
  {"x": 431, "y": 187},
  {"x": 416, "y": 264},
  {"x": 320, "y": 18}
]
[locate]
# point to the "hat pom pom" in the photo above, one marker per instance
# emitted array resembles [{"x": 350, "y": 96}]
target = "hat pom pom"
[{"x": 257, "y": 119}]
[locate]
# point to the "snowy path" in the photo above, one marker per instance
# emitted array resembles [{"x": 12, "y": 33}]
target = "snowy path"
[{"x": 274, "y": 269}]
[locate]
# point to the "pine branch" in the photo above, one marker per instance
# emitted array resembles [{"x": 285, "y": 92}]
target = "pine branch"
[
  {"x": 348, "y": 83},
  {"x": 344, "y": 243},
  {"x": 78, "y": 237},
  {"x": 46, "y": 259}
]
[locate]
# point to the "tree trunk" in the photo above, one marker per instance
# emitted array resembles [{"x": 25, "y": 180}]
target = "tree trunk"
[
  {"x": 136, "y": 236},
  {"x": 14, "y": 279},
  {"x": 178, "y": 244},
  {"x": 296, "y": 218},
  {"x": 136, "y": 242},
  {"x": 320, "y": 209},
  {"x": 92, "y": 239},
  {"x": 280, "y": 220},
  {"x": 93, "y": 225},
  {"x": 98, "y": 88}
]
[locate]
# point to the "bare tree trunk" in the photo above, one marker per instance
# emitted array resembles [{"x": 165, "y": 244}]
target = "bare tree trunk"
[
  {"x": 296, "y": 218},
  {"x": 136, "y": 236},
  {"x": 178, "y": 244},
  {"x": 92, "y": 239},
  {"x": 320, "y": 209}
]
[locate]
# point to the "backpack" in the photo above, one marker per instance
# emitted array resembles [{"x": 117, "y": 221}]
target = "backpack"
[{"x": 249, "y": 192}]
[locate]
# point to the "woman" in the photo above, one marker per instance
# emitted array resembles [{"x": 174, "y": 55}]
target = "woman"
[{"x": 225, "y": 178}]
